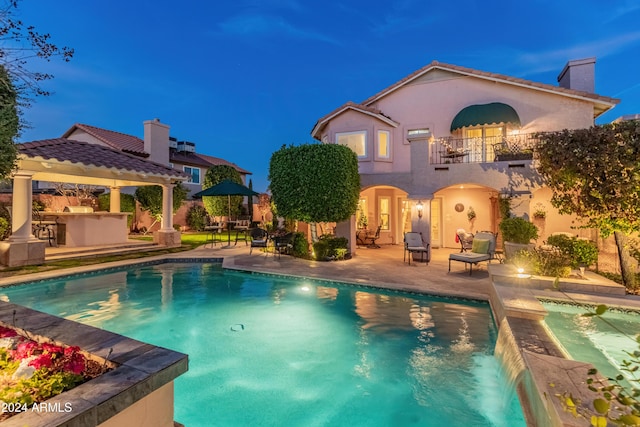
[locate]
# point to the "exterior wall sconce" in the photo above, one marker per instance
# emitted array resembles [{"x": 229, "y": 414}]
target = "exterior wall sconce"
[{"x": 419, "y": 207}]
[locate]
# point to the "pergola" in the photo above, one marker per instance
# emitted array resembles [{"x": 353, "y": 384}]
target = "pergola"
[{"x": 69, "y": 161}]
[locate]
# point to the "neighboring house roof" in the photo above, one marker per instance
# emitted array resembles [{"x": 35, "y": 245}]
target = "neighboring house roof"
[
  {"x": 197, "y": 159},
  {"x": 76, "y": 152},
  {"x": 135, "y": 145},
  {"x": 601, "y": 103},
  {"x": 116, "y": 140}
]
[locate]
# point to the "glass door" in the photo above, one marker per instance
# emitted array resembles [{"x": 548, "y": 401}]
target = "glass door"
[{"x": 436, "y": 222}]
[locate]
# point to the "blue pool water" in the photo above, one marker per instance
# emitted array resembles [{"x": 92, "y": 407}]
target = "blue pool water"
[
  {"x": 601, "y": 341},
  {"x": 273, "y": 351}
]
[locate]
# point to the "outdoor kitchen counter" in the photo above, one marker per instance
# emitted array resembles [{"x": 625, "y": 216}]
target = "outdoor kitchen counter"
[{"x": 89, "y": 229}]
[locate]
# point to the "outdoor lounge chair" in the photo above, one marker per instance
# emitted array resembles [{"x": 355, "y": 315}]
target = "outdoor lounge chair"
[
  {"x": 464, "y": 238},
  {"x": 259, "y": 239},
  {"x": 413, "y": 244},
  {"x": 483, "y": 249}
]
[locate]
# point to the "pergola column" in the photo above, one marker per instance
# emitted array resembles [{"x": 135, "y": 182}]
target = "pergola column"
[
  {"x": 22, "y": 208},
  {"x": 22, "y": 248},
  {"x": 114, "y": 199},
  {"x": 167, "y": 208},
  {"x": 167, "y": 236}
]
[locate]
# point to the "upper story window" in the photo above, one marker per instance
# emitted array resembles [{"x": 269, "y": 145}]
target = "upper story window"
[
  {"x": 383, "y": 145},
  {"x": 357, "y": 141},
  {"x": 482, "y": 141},
  {"x": 195, "y": 174}
]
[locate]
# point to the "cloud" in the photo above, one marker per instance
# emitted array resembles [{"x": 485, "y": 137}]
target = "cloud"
[
  {"x": 548, "y": 60},
  {"x": 254, "y": 24},
  {"x": 627, "y": 7}
]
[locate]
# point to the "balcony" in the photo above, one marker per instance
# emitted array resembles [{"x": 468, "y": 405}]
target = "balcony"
[{"x": 482, "y": 150}]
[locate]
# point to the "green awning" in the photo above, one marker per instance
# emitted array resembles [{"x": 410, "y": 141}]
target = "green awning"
[{"x": 485, "y": 114}]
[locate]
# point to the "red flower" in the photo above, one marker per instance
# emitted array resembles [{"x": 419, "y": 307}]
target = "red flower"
[
  {"x": 52, "y": 348},
  {"x": 25, "y": 349},
  {"x": 42, "y": 361},
  {"x": 75, "y": 364},
  {"x": 7, "y": 332}
]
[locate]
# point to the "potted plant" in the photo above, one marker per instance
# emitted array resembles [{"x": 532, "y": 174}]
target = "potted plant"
[
  {"x": 471, "y": 214},
  {"x": 539, "y": 211},
  {"x": 517, "y": 234},
  {"x": 363, "y": 221}
]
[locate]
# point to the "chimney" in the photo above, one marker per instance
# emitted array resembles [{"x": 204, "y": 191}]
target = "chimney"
[
  {"x": 579, "y": 74},
  {"x": 156, "y": 141}
]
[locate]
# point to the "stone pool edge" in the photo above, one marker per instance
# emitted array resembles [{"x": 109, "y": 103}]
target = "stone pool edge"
[{"x": 142, "y": 383}]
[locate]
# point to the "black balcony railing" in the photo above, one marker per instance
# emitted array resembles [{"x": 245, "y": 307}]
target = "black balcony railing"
[{"x": 482, "y": 150}]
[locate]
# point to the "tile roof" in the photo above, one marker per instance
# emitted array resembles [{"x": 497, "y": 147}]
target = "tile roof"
[
  {"x": 350, "y": 105},
  {"x": 63, "y": 149},
  {"x": 119, "y": 141},
  {"x": 366, "y": 106},
  {"x": 213, "y": 161},
  {"x": 492, "y": 76},
  {"x": 135, "y": 145}
]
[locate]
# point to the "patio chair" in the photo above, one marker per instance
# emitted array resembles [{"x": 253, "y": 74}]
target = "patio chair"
[
  {"x": 242, "y": 227},
  {"x": 413, "y": 244},
  {"x": 44, "y": 230},
  {"x": 483, "y": 249},
  {"x": 259, "y": 239},
  {"x": 368, "y": 239},
  {"x": 282, "y": 244},
  {"x": 465, "y": 239},
  {"x": 211, "y": 229}
]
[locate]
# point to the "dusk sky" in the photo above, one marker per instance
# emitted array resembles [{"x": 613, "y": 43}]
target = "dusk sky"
[{"x": 242, "y": 78}]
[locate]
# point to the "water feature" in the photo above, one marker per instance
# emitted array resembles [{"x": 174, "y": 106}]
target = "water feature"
[
  {"x": 602, "y": 341},
  {"x": 268, "y": 350}
]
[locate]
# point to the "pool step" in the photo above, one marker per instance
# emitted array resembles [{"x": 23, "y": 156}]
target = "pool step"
[{"x": 60, "y": 253}]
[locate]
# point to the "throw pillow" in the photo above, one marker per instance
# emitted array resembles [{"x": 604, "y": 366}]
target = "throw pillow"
[{"x": 480, "y": 246}]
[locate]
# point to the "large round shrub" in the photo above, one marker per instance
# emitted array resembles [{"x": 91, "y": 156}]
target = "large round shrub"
[
  {"x": 518, "y": 230},
  {"x": 197, "y": 218}
]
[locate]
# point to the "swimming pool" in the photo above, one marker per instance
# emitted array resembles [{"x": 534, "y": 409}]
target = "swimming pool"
[
  {"x": 269, "y": 350},
  {"x": 601, "y": 341}
]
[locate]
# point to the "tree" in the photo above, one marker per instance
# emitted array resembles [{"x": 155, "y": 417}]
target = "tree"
[
  {"x": 150, "y": 199},
  {"x": 20, "y": 44},
  {"x": 595, "y": 174},
  {"x": 219, "y": 205},
  {"x": 315, "y": 182},
  {"x": 9, "y": 124}
]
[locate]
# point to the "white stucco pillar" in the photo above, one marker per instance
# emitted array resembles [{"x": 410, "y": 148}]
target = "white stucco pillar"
[
  {"x": 21, "y": 208},
  {"x": 167, "y": 208},
  {"x": 167, "y": 236},
  {"x": 114, "y": 199},
  {"x": 22, "y": 247}
]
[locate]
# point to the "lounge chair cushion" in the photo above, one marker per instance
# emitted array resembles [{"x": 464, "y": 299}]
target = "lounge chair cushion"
[
  {"x": 470, "y": 257},
  {"x": 480, "y": 246}
]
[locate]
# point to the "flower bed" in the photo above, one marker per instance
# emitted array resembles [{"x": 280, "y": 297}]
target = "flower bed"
[{"x": 32, "y": 372}]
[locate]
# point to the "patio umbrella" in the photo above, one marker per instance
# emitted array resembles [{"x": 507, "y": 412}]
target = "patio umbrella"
[{"x": 227, "y": 188}]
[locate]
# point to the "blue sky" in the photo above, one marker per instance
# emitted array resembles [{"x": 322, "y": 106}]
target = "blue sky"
[{"x": 242, "y": 78}]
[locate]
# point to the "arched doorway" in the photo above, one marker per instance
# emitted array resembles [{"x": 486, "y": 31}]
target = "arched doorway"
[
  {"x": 469, "y": 206},
  {"x": 387, "y": 207}
]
